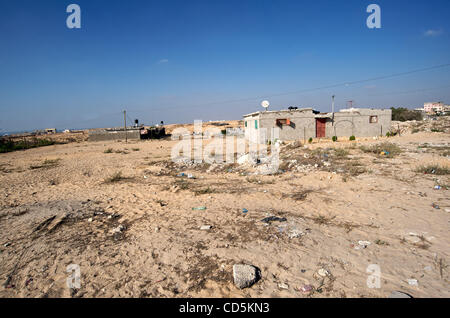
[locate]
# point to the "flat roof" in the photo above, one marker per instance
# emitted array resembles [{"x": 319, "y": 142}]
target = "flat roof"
[{"x": 279, "y": 111}]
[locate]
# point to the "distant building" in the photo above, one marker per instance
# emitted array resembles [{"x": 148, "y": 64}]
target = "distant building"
[
  {"x": 304, "y": 123},
  {"x": 50, "y": 130},
  {"x": 434, "y": 107}
]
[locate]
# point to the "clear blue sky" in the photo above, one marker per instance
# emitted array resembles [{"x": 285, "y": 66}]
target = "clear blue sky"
[{"x": 183, "y": 60}]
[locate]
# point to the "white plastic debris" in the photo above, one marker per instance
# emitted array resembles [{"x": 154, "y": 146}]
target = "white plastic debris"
[
  {"x": 364, "y": 244},
  {"x": 323, "y": 272}
]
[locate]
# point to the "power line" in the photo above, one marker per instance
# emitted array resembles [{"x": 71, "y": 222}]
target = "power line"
[
  {"x": 412, "y": 91},
  {"x": 309, "y": 89}
]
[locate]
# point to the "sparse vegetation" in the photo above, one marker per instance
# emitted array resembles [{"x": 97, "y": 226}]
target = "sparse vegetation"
[
  {"x": 310, "y": 140},
  {"x": 109, "y": 150},
  {"x": 204, "y": 191},
  {"x": 385, "y": 149},
  {"x": 405, "y": 114},
  {"x": 341, "y": 153},
  {"x": 116, "y": 177},
  {"x": 335, "y": 138},
  {"x": 381, "y": 242},
  {"x": 433, "y": 169},
  {"x": 9, "y": 145},
  {"x": 352, "y": 138},
  {"x": 48, "y": 163}
]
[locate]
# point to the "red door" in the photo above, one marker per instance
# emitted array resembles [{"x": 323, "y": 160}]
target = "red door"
[{"x": 320, "y": 127}]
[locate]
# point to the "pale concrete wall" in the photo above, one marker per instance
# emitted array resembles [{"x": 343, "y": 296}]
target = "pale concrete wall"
[
  {"x": 113, "y": 135},
  {"x": 303, "y": 124},
  {"x": 357, "y": 123}
]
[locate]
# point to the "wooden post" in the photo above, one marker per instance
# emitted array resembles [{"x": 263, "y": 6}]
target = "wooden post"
[{"x": 398, "y": 127}]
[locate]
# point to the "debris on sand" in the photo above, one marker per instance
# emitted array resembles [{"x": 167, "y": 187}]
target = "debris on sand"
[
  {"x": 118, "y": 229},
  {"x": 364, "y": 244},
  {"x": 270, "y": 219},
  {"x": 397, "y": 294},
  {"x": 307, "y": 288},
  {"x": 323, "y": 272},
  {"x": 205, "y": 227},
  {"x": 199, "y": 208},
  {"x": 245, "y": 275}
]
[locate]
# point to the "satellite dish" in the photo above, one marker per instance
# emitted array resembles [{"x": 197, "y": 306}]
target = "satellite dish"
[{"x": 265, "y": 104}]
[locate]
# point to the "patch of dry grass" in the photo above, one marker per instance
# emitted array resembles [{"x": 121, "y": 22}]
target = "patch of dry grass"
[
  {"x": 46, "y": 164},
  {"x": 433, "y": 169},
  {"x": 392, "y": 149},
  {"x": 115, "y": 177}
]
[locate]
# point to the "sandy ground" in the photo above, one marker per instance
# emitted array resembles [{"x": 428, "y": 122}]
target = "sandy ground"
[{"x": 58, "y": 208}]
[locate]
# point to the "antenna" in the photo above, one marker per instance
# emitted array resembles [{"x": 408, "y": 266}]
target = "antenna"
[{"x": 265, "y": 104}]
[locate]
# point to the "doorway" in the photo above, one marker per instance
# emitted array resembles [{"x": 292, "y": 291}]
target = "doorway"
[{"x": 320, "y": 127}]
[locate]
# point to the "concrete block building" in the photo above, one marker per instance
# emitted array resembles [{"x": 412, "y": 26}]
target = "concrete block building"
[{"x": 301, "y": 124}]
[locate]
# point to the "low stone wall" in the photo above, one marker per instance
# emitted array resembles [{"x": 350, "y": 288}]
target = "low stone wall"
[{"x": 113, "y": 135}]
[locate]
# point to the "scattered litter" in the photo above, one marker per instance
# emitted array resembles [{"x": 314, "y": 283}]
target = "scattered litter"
[
  {"x": 244, "y": 210},
  {"x": 118, "y": 229},
  {"x": 397, "y": 294},
  {"x": 295, "y": 233},
  {"x": 199, "y": 208},
  {"x": 413, "y": 282},
  {"x": 190, "y": 176},
  {"x": 7, "y": 244},
  {"x": 307, "y": 289},
  {"x": 364, "y": 244},
  {"x": 384, "y": 153},
  {"x": 182, "y": 174},
  {"x": 90, "y": 220},
  {"x": 283, "y": 286},
  {"x": 157, "y": 229},
  {"x": 438, "y": 187},
  {"x": 434, "y": 205},
  {"x": 145, "y": 177},
  {"x": 447, "y": 210},
  {"x": 273, "y": 219},
  {"x": 323, "y": 272},
  {"x": 427, "y": 268},
  {"x": 205, "y": 227}
]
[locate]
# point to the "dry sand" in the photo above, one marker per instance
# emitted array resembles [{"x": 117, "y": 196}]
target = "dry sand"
[{"x": 56, "y": 209}]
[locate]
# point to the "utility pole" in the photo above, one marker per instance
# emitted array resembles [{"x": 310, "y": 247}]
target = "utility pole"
[
  {"x": 332, "y": 110},
  {"x": 125, "y": 124}
]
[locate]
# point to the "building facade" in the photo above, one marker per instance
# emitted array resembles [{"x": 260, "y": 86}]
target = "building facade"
[
  {"x": 306, "y": 123},
  {"x": 433, "y": 107}
]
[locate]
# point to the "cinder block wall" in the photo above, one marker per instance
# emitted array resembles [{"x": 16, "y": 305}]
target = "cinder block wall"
[
  {"x": 113, "y": 135},
  {"x": 303, "y": 124},
  {"x": 358, "y": 123}
]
